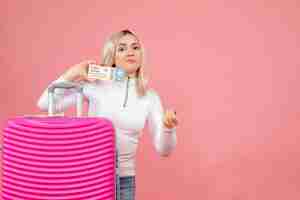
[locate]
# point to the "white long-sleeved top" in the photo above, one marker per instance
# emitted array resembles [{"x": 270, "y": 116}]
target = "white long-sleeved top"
[{"x": 119, "y": 102}]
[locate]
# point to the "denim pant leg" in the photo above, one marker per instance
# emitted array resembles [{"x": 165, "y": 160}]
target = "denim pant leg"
[{"x": 126, "y": 188}]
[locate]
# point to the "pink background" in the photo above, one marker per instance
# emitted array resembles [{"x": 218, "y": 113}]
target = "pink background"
[{"x": 230, "y": 68}]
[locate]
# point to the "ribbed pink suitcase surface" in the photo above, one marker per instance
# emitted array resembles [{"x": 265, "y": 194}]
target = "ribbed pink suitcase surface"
[
  {"x": 61, "y": 158},
  {"x": 58, "y": 158}
]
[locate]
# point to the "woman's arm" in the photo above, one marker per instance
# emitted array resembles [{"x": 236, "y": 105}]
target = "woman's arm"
[
  {"x": 65, "y": 98},
  {"x": 164, "y": 139}
]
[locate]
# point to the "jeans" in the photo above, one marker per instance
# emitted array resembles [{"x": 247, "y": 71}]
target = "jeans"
[{"x": 126, "y": 188}]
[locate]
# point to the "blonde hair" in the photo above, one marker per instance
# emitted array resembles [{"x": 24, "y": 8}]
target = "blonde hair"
[{"x": 109, "y": 53}]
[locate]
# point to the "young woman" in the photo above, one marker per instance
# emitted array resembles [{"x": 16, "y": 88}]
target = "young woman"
[{"x": 128, "y": 104}]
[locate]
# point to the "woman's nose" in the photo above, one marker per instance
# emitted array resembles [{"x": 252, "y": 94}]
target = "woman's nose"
[{"x": 130, "y": 54}]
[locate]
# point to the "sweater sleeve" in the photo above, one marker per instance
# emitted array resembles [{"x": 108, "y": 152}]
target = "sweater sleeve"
[
  {"x": 164, "y": 139},
  {"x": 63, "y": 98}
]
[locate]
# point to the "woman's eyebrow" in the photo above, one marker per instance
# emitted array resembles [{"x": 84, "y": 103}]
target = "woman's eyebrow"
[{"x": 124, "y": 44}]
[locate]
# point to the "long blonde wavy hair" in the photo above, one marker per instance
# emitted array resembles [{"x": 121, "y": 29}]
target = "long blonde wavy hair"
[{"x": 109, "y": 53}]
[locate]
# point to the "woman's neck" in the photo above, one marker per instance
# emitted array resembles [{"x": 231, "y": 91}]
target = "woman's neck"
[{"x": 132, "y": 75}]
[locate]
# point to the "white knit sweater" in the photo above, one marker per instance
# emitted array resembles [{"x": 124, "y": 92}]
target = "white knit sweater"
[{"x": 118, "y": 101}]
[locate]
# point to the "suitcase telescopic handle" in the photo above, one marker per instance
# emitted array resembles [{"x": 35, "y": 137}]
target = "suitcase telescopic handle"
[{"x": 66, "y": 85}]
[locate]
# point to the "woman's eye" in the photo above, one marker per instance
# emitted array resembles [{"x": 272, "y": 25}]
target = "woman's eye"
[
  {"x": 135, "y": 48},
  {"x": 121, "y": 49}
]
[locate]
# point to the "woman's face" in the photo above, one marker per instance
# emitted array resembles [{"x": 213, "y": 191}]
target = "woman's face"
[{"x": 128, "y": 54}]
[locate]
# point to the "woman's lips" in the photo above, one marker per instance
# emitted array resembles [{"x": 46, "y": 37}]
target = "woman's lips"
[{"x": 131, "y": 61}]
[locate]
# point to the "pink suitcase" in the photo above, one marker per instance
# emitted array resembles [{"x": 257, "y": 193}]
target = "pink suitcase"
[{"x": 58, "y": 157}]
